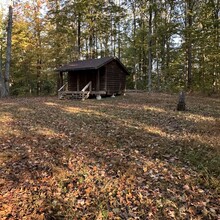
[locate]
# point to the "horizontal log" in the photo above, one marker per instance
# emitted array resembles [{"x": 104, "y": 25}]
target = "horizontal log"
[{"x": 81, "y": 92}]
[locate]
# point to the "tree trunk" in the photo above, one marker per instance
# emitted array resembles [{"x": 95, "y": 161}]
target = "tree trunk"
[
  {"x": 150, "y": 49},
  {"x": 39, "y": 63},
  {"x": 79, "y": 35},
  {"x": 8, "y": 52},
  {"x": 135, "y": 76},
  {"x": 189, "y": 21},
  {"x": 216, "y": 16},
  {"x": 2, "y": 84}
]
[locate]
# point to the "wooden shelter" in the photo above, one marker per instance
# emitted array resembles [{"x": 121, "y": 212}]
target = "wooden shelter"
[{"x": 80, "y": 79}]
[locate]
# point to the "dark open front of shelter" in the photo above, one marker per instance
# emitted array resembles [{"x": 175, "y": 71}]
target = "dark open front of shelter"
[{"x": 104, "y": 76}]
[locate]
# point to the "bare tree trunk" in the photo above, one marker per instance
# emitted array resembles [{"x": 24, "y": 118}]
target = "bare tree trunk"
[
  {"x": 189, "y": 21},
  {"x": 150, "y": 49},
  {"x": 2, "y": 86},
  {"x": 216, "y": 16},
  {"x": 79, "y": 35},
  {"x": 2, "y": 83},
  {"x": 39, "y": 62},
  {"x": 8, "y": 52},
  {"x": 135, "y": 77}
]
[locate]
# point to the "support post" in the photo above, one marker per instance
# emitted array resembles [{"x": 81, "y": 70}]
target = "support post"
[
  {"x": 59, "y": 80},
  {"x": 98, "y": 81},
  {"x": 105, "y": 79},
  {"x": 77, "y": 82}
]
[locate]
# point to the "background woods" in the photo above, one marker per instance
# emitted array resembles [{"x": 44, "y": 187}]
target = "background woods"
[
  {"x": 134, "y": 157},
  {"x": 166, "y": 45}
]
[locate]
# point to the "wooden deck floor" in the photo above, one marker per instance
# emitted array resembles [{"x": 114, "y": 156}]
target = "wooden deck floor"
[{"x": 78, "y": 94}]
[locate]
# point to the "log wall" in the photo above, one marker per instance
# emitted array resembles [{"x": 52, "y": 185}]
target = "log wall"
[
  {"x": 110, "y": 78},
  {"x": 116, "y": 78}
]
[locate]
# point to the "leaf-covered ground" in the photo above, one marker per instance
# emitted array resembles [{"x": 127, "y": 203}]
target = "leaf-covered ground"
[{"x": 131, "y": 157}]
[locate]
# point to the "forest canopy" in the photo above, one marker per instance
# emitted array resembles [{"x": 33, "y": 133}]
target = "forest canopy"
[{"x": 166, "y": 45}]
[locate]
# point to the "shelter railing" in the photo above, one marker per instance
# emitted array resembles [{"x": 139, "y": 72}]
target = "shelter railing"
[
  {"x": 86, "y": 91},
  {"x": 61, "y": 91},
  {"x": 83, "y": 94}
]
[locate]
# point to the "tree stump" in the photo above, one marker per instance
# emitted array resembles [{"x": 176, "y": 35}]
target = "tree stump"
[{"x": 181, "y": 106}]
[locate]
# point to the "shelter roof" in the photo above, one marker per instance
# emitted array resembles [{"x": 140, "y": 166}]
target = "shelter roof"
[{"x": 90, "y": 64}]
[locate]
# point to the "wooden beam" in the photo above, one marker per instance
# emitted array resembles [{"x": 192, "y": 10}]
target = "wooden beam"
[
  {"x": 98, "y": 80},
  {"x": 105, "y": 78},
  {"x": 59, "y": 80},
  {"x": 77, "y": 82}
]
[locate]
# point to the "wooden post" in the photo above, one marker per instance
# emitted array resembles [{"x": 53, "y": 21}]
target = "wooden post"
[
  {"x": 59, "y": 80},
  {"x": 98, "y": 81},
  {"x": 105, "y": 79},
  {"x": 181, "y": 106},
  {"x": 77, "y": 82}
]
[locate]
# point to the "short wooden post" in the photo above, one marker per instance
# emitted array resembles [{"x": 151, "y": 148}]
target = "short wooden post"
[{"x": 181, "y": 106}]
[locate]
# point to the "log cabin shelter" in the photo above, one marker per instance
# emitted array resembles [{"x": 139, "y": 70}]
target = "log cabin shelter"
[{"x": 99, "y": 77}]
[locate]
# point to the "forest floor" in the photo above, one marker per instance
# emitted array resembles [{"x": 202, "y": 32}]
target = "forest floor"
[{"x": 129, "y": 157}]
